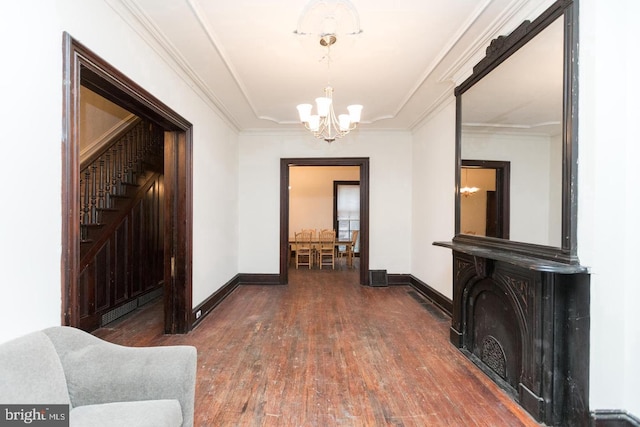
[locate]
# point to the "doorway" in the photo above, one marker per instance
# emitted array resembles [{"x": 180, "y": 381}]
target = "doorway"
[
  {"x": 363, "y": 164},
  {"x": 486, "y": 211},
  {"x": 82, "y": 67}
]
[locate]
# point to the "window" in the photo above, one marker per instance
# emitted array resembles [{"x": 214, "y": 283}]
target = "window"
[{"x": 347, "y": 209}]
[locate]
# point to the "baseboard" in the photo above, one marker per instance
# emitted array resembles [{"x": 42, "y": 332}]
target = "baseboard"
[
  {"x": 613, "y": 418},
  {"x": 258, "y": 279},
  {"x": 444, "y": 303},
  {"x": 202, "y": 309},
  {"x": 399, "y": 279}
]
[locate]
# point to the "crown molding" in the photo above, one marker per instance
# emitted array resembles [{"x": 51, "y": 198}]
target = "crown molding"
[{"x": 139, "y": 22}]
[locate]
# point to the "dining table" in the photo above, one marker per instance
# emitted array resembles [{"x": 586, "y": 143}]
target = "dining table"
[{"x": 316, "y": 241}]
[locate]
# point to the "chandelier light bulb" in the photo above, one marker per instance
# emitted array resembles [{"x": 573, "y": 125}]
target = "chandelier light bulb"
[
  {"x": 304, "y": 111},
  {"x": 323, "y": 104},
  {"x": 355, "y": 111},
  {"x": 314, "y": 123}
]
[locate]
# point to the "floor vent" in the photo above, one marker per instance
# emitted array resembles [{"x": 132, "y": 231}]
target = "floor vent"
[
  {"x": 429, "y": 306},
  {"x": 378, "y": 278},
  {"x": 118, "y": 312},
  {"x": 150, "y": 296},
  {"x": 128, "y": 307}
]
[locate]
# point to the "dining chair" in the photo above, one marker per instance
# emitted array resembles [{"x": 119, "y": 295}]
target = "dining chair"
[
  {"x": 327, "y": 249},
  {"x": 349, "y": 248},
  {"x": 304, "y": 249}
]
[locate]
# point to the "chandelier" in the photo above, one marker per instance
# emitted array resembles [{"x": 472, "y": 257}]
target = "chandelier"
[
  {"x": 325, "y": 124},
  {"x": 467, "y": 191}
]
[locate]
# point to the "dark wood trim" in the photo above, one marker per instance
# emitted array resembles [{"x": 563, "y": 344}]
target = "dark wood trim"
[
  {"x": 498, "y": 51},
  {"x": 70, "y": 259},
  {"x": 570, "y": 137},
  {"x": 533, "y": 262},
  {"x": 259, "y": 279},
  {"x": 83, "y": 67},
  {"x": 213, "y": 300},
  {"x": 613, "y": 418},
  {"x": 218, "y": 296},
  {"x": 399, "y": 279},
  {"x": 502, "y": 47},
  {"x": 445, "y": 304},
  {"x": 363, "y": 163},
  {"x": 178, "y": 232}
]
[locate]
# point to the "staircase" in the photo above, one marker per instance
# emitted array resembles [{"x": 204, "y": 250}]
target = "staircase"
[{"x": 121, "y": 225}]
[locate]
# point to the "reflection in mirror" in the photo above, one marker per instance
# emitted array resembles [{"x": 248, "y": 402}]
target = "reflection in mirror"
[
  {"x": 515, "y": 114},
  {"x": 485, "y": 211},
  {"x": 477, "y": 204}
]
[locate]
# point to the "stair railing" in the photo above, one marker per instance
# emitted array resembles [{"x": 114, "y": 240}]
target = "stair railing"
[{"x": 105, "y": 176}]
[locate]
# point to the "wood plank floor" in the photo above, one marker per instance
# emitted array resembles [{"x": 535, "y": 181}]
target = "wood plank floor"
[{"x": 325, "y": 351}]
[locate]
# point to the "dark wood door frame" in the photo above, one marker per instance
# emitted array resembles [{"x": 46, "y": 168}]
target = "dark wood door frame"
[
  {"x": 83, "y": 67},
  {"x": 503, "y": 191},
  {"x": 363, "y": 163}
]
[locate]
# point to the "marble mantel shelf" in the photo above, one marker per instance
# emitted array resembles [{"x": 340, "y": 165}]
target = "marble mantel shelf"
[{"x": 528, "y": 262}]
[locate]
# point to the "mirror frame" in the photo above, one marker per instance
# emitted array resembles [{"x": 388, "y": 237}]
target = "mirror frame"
[{"x": 498, "y": 51}]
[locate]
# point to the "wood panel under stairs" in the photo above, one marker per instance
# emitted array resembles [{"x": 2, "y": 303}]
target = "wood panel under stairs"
[{"x": 121, "y": 225}]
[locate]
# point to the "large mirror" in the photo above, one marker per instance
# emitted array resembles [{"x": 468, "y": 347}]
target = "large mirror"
[{"x": 516, "y": 142}]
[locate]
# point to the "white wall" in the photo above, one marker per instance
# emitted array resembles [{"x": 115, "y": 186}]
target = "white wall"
[
  {"x": 433, "y": 192},
  {"x": 390, "y": 195},
  {"x": 531, "y": 173},
  {"x": 608, "y": 200},
  {"x": 31, "y": 226},
  {"x": 31, "y": 208}
]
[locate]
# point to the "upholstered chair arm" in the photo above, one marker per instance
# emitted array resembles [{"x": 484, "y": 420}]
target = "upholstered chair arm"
[{"x": 100, "y": 372}]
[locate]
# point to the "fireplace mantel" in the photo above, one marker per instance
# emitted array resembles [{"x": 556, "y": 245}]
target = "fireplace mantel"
[
  {"x": 525, "y": 322},
  {"x": 510, "y": 257}
]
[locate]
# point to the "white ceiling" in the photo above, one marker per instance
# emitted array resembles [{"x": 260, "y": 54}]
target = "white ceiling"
[{"x": 246, "y": 59}]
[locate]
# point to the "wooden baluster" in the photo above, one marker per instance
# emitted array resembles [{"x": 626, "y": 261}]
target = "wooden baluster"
[
  {"x": 132, "y": 170},
  {"x": 101, "y": 196},
  {"x": 118, "y": 161},
  {"x": 107, "y": 179},
  {"x": 95, "y": 217},
  {"x": 135, "y": 167},
  {"x": 84, "y": 184},
  {"x": 130, "y": 165},
  {"x": 114, "y": 170},
  {"x": 139, "y": 143},
  {"x": 139, "y": 152},
  {"x": 126, "y": 171}
]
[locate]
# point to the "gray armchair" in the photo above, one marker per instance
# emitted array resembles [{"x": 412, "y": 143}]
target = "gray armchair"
[{"x": 105, "y": 384}]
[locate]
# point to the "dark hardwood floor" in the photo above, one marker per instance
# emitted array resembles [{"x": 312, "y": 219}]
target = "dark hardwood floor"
[{"x": 325, "y": 351}]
